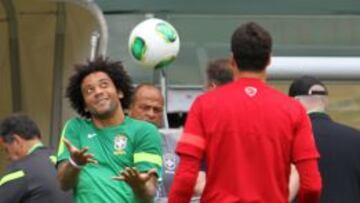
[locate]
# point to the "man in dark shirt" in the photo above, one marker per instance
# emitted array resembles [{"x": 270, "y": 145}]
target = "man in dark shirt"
[
  {"x": 31, "y": 176},
  {"x": 338, "y": 144}
]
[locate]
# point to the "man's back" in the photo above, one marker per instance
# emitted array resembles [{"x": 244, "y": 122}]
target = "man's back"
[
  {"x": 340, "y": 159},
  {"x": 249, "y": 139},
  {"x": 249, "y": 134},
  {"x": 35, "y": 181}
]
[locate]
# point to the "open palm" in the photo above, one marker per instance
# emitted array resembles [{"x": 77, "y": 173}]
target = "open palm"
[
  {"x": 80, "y": 157},
  {"x": 134, "y": 178}
]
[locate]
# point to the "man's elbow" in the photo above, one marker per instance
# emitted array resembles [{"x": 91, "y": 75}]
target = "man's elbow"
[
  {"x": 310, "y": 193},
  {"x": 313, "y": 186},
  {"x": 314, "y": 190},
  {"x": 63, "y": 186}
]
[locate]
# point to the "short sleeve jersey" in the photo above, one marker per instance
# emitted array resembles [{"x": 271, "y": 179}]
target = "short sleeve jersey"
[
  {"x": 133, "y": 143},
  {"x": 249, "y": 133}
]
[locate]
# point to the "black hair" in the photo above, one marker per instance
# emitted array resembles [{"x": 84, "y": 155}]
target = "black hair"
[
  {"x": 251, "y": 46},
  {"x": 219, "y": 72},
  {"x": 20, "y": 125},
  {"x": 115, "y": 70}
]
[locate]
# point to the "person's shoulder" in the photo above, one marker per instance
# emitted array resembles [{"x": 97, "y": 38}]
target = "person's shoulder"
[
  {"x": 275, "y": 93},
  {"x": 343, "y": 135},
  {"x": 15, "y": 170},
  {"x": 283, "y": 98},
  {"x": 15, "y": 166},
  {"x": 77, "y": 122},
  {"x": 220, "y": 90},
  {"x": 172, "y": 135},
  {"x": 346, "y": 130},
  {"x": 23, "y": 166},
  {"x": 36, "y": 158},
  {"x": 288, "y": 105},
  {"x": 211, "y": 95},
  {"x": 139, "y": 124},
  {"x": 44, "y": 151}
]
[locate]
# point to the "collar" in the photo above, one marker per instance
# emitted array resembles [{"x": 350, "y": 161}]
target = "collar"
[
  {"x": 251, "y": 81},
  {"x": 35, "y": 147},
  {"x": 321, "y": 115}
]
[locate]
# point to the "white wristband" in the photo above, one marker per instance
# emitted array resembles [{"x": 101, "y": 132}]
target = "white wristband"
[{"x": 75, "y": 165}]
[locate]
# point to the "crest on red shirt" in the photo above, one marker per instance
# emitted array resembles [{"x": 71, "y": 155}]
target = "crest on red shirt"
[{"x": 251, "y": 91}]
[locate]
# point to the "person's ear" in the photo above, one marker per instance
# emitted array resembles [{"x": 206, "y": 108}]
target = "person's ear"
[
  {"x": 233, "y": 64},
  {"x": 232, "y": 61},
  {"x": 233, "y": 67},
  {"x": 212, "y": 85},
  {"x": 17, "y": 139},
  {"x": 268, "y": 61}
]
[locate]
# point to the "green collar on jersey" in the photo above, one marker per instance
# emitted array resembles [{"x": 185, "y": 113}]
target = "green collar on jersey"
[{"x": 35, "y": 147}]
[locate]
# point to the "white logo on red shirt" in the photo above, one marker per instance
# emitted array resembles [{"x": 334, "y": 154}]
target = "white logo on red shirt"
[{"x": 251, "y": 91}]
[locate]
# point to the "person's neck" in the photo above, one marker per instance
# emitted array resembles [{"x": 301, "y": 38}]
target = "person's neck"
[
  {"x": 316, "y": 110},
  {"x": 250, "y": 74},
  {"x": 116, "y": 119}
]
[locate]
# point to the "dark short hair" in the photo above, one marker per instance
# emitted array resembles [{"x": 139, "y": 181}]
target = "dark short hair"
[
  {"x": 219, "y": 72},
  {"x": 20, "y": 125},
  {"x": 251, "y": 46},
  {"x": 115, "y": 70}
]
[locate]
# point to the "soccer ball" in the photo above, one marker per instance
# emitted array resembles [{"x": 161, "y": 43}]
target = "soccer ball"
[{"x": 154, "y": 43}]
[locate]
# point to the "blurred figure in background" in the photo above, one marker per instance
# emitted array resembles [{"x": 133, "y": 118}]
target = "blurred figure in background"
[
  {"x": 147, "y": 104},
  {"x": 218, "y": 73},
  {"x": 31, "y": 175}
]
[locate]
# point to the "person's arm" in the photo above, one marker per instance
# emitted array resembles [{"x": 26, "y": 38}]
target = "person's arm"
[
  {"x": 190, "y": 148},
  {"x": 200, "y": 183},
  {"x": 144, "y": 185},
  {"x": 68, "y": 171},
  {"x": 184, "y": 181},
  {"x": 67, "y": 175},
  {"x": 310, "y": 181},
  {"x": 293, "y": 183},
  {"x": 13, "y": 187}
]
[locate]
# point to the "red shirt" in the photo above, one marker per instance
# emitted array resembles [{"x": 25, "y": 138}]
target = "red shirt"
[{"x": 249, "y": 134}]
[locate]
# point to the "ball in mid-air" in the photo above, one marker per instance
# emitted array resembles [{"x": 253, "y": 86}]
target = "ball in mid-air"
[{"x": 154, "y": 43}]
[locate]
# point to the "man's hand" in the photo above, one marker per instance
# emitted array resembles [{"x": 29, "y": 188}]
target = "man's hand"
[
  {"x": 80, "y": 157},
  {"x": 134, "y": 178},
  {"x": 144, "y": 185}
]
